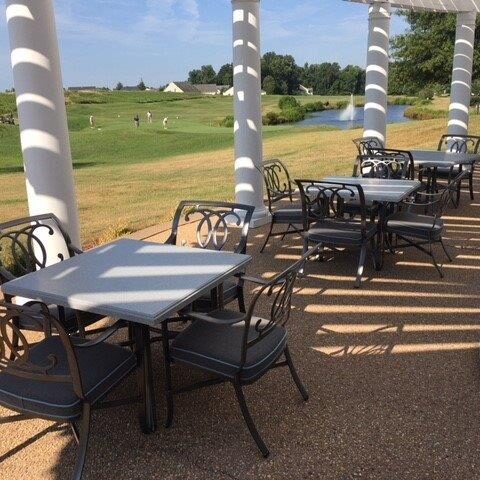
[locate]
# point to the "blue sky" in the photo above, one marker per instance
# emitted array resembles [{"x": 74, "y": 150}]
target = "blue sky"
[{"x": 106, "y": 41}]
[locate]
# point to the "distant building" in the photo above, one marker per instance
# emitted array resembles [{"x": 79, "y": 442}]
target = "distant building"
[
  {"x": 82, "y": 89},
  {"x": 305, "y": 90},
  {"x": 230, "y": 91},
  {"x": 131, "y": 89},
  {"x": 200, "y": 88}
]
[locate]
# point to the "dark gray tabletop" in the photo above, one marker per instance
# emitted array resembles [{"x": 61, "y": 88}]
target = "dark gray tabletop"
[
  {"x": 433, "y": 158},
  {"x": 380, "y": 190},
  {"x": 137, "y": 281}
]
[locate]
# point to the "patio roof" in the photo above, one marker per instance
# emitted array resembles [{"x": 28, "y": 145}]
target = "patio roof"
[{"x": 447, "y": 6}]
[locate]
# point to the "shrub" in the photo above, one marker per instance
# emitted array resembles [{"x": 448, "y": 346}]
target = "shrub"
[
  {"x": 272, "y": 118},
  {"x": 228, "y": 122},
  {"x": 419, "y": 113},
  {"x": 314, "y": 107},
  {"x": 288, "y": 102},
  {"x": 426, "y": 93},
  {"x": 293, "y": 114}
]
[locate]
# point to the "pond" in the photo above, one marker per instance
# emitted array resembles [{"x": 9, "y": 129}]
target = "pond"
[{"x": 395, "y": 114}]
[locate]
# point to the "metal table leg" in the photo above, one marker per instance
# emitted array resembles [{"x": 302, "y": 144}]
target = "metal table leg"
[{"x": 148, "y": 416}]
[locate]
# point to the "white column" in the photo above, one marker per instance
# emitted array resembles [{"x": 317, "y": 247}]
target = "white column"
[
  {"x": 460, "y": 94},
  {"x": 248, "y": 107},
  {"x": 376, "y": 89},
  {"x": 41, "y": 111}
]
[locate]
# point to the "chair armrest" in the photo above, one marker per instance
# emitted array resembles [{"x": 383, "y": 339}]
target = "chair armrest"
[
  {"x": 6, "y": 274},
  {"x": 171, "y": 240},
  {"x": 76, "y": 250},
  {"x": 104, "y": 336},
  {"x": 236, "y": 317}
]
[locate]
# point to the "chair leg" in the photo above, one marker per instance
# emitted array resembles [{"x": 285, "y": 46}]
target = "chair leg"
[
  {"x": 241, "y": 300},
  {"x": 434, "y": 261},
  {"x": 83, "y": 443},
  {"x": 249, "y": 420},
  {"x": 445, "y": 250},
  {"x": 287, "y": 231},
  {"x": 268, "y": 237},
  {"x": 296, "y": 378},
  {"x": 168, "y": 375},
  {"x": 361, "y": 265},
  {"x": 470, "y": 185}
]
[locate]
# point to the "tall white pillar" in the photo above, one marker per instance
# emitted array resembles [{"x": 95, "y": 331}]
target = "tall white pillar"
[
  {"x": 376, "y": 88},
  {"x": 460, "y": 94},
  {"x": 41, "y": 111},
  {"x": 248, "y": 107}
]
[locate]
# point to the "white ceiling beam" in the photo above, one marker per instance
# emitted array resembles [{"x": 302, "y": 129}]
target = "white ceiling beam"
[{"x": 442, "y": 6}]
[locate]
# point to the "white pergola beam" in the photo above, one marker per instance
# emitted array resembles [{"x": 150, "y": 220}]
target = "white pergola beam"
[
  {"x": 445, "y": 6},
  {"x": 41, "y": 111}
]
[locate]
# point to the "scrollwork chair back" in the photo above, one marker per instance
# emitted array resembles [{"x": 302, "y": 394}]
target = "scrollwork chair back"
[
  {"x": 384, "y": 166},
  {"x": 216, "y": 222},
  {"x": 277, "y": 182},
  {"x": 366, "y": 145},
  {"x": 459, "y": 143}
]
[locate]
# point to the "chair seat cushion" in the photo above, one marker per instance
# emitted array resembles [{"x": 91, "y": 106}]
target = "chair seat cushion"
[
  {"x": 288, "y": 215},
  {"x": 204, "y": 303},
  {"x": 101, "y": 367},
  {"x": 339, "y": 232},
  {"x": 414, "y": 225},
  {"x": 217, "y": 348}
]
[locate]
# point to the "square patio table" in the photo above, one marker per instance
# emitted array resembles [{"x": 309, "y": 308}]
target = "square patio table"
[
  {"x": 140, "y": 282},
  {"x": 435, "y": 159}
]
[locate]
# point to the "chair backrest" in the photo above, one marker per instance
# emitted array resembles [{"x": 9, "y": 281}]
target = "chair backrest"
[
  {"x": 366, "y": 144},
  {"x": 384, "y": 164},
  {"x": 327, "y": 200},
  {"x": 215, "y": 223},
  {"x": 279, "y": 292},
  {"x": 277, "y": 181},
  {"x": 23, "y": 245},
  {"x": 15, "y": 357},
  {"x": 459, "y": 143}
]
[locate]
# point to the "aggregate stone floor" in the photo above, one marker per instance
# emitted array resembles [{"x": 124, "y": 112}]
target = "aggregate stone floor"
[{"x": 392, "y": 369}]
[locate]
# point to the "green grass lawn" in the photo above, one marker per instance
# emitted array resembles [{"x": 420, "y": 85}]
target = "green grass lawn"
[{"x": 128, "y": 177}]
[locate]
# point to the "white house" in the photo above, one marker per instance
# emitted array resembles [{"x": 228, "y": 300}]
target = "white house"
[
  {"x": 229, "y": 92},
  {"x": 200, "y": 88},
  {"x": 305, "y": 90}
]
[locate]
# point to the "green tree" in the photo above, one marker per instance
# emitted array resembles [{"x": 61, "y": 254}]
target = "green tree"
[
  {"x": 269, "y": 85},
  {"x": 350, "y": 80},
  {"x": 284, "y": 70},
  {"x": 225, "y": 75},
  {"x": 119, "y": 86},
  {"x": 206, "y": 74},
  {"x": 195, "y": 76},
  {"x": 424, "y": 54},
  {"x": 322, "y": 77},
  {"x": 141, "y": 85}
]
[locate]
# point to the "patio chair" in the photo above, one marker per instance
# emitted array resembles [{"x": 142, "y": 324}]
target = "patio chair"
[
  {"x": 23, "y": 250},
  {"x": 279, "y": 188},
  {"x": 460, "y": 144},
  {"x": 327, "y": 221},
  {"x": 366, "y": 144},
  {"x": 215, "y": 224},
  {"x": 59, "y": 379},
  {"x": 385, "y": 164},
  {"x": 239, "y": 348},
  {"x": 401, "y": 156},
  {"x": 419, "y": 223}
]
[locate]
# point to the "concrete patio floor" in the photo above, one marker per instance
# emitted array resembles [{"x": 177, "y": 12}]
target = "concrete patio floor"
[{"x": 393, "y": 372}]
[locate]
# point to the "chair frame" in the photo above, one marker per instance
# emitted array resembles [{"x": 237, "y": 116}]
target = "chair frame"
[
  {"x": 16, "y": 363},
  {"x": 461, "y": 144},
  {"x": 365, "y": 145},
  {"x": 217, "y": 217},
  {"x": 385, "y": 164},
  {"x": 280, "y": 289},
  {"x": 437, "y": 203},
  {"x": 323, "y": 200},
  {"x": 277, "y": 190}
]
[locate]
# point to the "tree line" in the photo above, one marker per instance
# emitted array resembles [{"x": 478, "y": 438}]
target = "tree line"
[{"x": 282, "y": 76}]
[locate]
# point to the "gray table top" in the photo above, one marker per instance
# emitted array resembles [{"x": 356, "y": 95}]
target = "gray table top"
[
  {"x": 433, "y": 158},
  {"x": 380, "y": 190},
  {"x": 137, "y": 281}
]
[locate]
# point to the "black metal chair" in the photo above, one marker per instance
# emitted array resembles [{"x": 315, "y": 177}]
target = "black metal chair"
[
  {"x": 279, "y": 188},
  {"x": 460, "y": 144},
  {"x": 384, "y": 164},
  {"x": 366, "y": 144},
  {"x": 327, "y": 220},
  {"x": 216, "y": 224},
  {"x": 238, "y": 347},
  {"x": 419, "y": 223},
  {"x": 23, "y": 250},
  {"x": 61, "y": 378}
]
